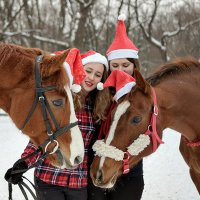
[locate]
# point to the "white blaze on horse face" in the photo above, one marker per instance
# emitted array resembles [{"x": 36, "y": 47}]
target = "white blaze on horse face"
[
  {"x": 76, "y": 146},
  {"x": 121, "y": 109}
]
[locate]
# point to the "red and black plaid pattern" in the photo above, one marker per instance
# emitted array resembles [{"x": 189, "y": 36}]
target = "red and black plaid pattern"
[{"x": 78, "y": 177}]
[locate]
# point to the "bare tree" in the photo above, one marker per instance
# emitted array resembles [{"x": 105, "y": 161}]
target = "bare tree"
[
  {"x": 159, "y": 33},
  {"x": 81, "y": 33},
  {"x": 149, "y": 25}
]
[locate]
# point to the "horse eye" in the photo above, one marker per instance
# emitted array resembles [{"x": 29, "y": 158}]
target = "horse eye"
[
  {"x": 136, "y": 120},
  {"x": 58, "y": 102}
]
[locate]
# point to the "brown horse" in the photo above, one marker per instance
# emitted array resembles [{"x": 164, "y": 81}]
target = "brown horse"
[
  {"x": 168, "y": 99},
  {"x": 36, "y": 95}
]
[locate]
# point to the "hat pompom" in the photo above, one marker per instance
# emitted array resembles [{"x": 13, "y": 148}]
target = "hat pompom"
[
  {"x": 100, "y": 86},
  {"x": 122, "y": 17},
  {"x": 75, "y": 88}
]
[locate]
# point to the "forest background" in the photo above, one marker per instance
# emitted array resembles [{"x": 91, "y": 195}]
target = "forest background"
[{"x": 161, "y": 29}]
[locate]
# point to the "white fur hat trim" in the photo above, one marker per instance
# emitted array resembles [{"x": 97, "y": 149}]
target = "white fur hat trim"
[
  {"x": 124, "y": 90},
  {"x": 96, "y": 58}
]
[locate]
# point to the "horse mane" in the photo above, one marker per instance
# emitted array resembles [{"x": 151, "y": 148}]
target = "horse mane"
[
  {"x": 22, "y": 59},
  {"x": 175, "y": 67},
  {"x": 17, "y": 53},
  {"x": 17, "y": 58}
]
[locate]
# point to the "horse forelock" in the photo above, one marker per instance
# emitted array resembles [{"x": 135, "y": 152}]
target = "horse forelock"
[
  {"x": 53, "y": 72},
  {"x": 59, "y": 79},
  {"x": 176, "y": 67},
  {"x": 17, "y": 65},
  {"x": 21, "y": 60}
]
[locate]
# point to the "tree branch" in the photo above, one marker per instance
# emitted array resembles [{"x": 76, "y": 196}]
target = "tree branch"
[
  {"x": 179, "y": 29},
  {"x": 13, "y": 18},
  {"x": 38, "y": 38}
]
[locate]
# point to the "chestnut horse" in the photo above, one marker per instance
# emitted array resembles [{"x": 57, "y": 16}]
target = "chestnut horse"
[
  {"x": 34, "y": 91},
  {"x": 168, "y": 99}
]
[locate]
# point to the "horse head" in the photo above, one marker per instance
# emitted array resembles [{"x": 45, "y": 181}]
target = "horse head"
[
  {"x": 126, "y": 142},
  {"x": 139, "y": 119},
  {"x": 26, "y": 86}
]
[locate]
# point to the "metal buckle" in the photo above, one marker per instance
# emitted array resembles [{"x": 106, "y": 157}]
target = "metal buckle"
[
  {"x": 41, "y": 98},
  {"x": 54, "y": 149},
  {"x": 50, "y": 133}
]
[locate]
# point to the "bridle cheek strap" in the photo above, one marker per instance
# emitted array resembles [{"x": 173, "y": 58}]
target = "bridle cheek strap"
[{"x": 152, "y": 131}]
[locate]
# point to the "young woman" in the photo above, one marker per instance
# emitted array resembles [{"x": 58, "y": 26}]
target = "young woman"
[
  {"x": 62, "y": 184},
  {"x": 122, "y": 55}
]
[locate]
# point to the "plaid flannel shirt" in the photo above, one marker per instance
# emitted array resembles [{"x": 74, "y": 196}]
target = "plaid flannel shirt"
[{"x": 76, "y": 178}]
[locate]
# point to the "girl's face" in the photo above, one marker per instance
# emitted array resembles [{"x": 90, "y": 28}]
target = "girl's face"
[
  {"x": 94, "y": 73},
  {"x": 122, "y": 64}
]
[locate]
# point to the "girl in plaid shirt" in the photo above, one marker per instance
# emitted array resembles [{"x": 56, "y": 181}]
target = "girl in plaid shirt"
[{"x": 62, "y": 184}]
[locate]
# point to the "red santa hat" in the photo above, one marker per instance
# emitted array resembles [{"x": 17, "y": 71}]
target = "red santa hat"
[
  {"x": 74, "y": 68},
  {"x": 122, "y": 46},
  {"x": 94, "y": 57},
  {"x": 122, "y": 81}
]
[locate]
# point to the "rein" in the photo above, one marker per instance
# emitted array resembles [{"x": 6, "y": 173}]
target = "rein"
[
  {"x": 41, "y": 98},
  {"x": 104, "y": 150}
]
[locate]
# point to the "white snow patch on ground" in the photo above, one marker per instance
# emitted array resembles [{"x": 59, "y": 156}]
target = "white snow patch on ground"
[{"x": 165, "y": 172}]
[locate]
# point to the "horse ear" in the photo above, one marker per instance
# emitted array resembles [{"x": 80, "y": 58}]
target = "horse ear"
[
  {"x": 140, "y": 82},
  {"x": 52, "y": 63}
]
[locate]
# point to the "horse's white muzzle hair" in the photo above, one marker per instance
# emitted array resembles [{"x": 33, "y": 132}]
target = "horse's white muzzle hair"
[{"x": 76, "y": 146}]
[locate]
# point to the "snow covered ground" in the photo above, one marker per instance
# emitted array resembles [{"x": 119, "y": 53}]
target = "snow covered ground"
[{"x": 165, "y": 172}]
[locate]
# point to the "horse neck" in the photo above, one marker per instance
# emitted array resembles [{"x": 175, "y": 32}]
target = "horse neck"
[
  {"x": 179, "y": 108},
  {"x": 5, "y": 90},
  {"x": 10, "y": 78},
  {"x": 15, "y": 65},
  {"x": 13, "y": 78}
]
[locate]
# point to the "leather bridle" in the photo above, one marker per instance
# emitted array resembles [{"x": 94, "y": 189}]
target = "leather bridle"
[{"x": 41, "y": 98}]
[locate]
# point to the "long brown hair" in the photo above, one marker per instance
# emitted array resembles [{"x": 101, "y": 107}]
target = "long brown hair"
[
  {"x": 99, "y": 99},
  {"x": 135, "y": 62}
]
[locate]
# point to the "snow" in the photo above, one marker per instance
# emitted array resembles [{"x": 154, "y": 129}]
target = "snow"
[{"x": 165, "y": 172}]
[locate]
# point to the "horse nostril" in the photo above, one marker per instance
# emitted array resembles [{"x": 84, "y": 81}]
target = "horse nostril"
[
  {"x": 99, "y": 177},
  {"x": 78, "y": 160}
]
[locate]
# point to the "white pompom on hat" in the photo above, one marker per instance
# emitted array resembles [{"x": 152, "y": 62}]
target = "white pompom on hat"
[
  {"x": 122, "y": 81},
  {"x": 74, "y": 68},
  {"x": 94, "y": 57},
  {"x": 122, "y": 46}
]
